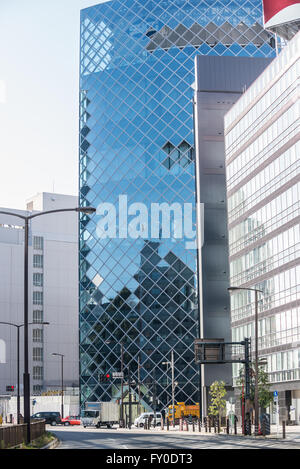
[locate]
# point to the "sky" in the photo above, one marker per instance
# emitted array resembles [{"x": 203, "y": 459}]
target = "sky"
[{"x": 39, "y": 88}]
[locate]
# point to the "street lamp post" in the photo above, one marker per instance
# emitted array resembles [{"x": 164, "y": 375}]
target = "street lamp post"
[
  {"x": 18, "y": 326},
  {"x": 26, "y": 375},
  {"x": 62, "y": 382},
  {"x": 256, "y": 290},
  {"x": 122, "y": 379},
  {"x": 171, "y": 363}
]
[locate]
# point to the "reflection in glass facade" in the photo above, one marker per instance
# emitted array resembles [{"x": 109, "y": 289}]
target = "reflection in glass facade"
[
  {"x": 263, "y": 169},
  {"x": 136, "y": 123}
]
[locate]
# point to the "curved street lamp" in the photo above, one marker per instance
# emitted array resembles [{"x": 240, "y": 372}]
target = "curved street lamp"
[
  {"x": 26, "y": 376},
  {"x": 18, "y": 326},
  {"x": 62, "y": 381}
]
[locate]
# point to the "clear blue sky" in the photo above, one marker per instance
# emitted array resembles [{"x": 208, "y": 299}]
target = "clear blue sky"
[{"x": 39, "y": 85}]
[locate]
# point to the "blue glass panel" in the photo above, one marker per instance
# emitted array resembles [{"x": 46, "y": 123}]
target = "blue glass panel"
[{"x": 137, "y": 68}]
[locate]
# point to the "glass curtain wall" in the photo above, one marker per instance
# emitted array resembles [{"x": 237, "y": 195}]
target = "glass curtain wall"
[{"x": 140, "y": 294}]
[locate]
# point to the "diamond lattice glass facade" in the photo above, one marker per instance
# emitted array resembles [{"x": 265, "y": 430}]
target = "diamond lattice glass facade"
[{"x": 136, "y": 123}]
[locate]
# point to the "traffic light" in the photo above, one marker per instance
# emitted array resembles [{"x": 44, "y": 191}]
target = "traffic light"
[
  {"x": 104, "y": 377},
  {"x": 10, "y": 388}
]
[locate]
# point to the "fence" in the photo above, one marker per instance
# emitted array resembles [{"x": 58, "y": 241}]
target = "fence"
[{"x": 15, "y": 435}]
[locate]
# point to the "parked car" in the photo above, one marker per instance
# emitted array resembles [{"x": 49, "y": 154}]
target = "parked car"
[
  {"x": 52, "y": 418},
  {"x": 71, "y": 420},
  {"x": 140, "y": 421}
]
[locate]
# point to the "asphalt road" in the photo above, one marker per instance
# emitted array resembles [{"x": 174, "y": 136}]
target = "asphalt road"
[{"x": 114, "y": 439}]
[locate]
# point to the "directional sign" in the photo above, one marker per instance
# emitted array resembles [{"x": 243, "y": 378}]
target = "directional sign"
[{"x": 275, "y": 393}]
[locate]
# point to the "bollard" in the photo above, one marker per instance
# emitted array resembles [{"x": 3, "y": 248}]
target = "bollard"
[
  {"x": 209, "y": 425},
  {"x": 218, "y": 425},
  {"x": 180, "y": 424},
  {"x": 199, "y": 425},
  {"x": 205, "y": 424},
  {"x": 263, "y": 425},
  {"x": 187, "y": 425},
  {"x": 193, "y": 423},
  {"x": 215, "y": 427},
  {"x": 168, "y": 424},
  {"x": 235, "y": 425},
  {"x": 283, "y": 429},
  {"x": 227, "y": 426},
  {"x": 162, "y": 423}
]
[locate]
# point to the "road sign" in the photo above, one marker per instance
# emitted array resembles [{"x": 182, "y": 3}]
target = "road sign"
[
  {"x": 275, "y": 393},
  {"x": 117, "y": 375}
]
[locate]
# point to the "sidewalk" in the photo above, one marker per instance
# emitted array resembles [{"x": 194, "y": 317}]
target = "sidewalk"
[{"x": 292, "y": 432}]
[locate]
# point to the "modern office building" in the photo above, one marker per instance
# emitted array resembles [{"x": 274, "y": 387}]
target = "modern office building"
[
  {"x": 137, "y": 147},
  {"x": 53, "y": 294},
  {"x": 219, "y": 83},
  {"x": 263, "y": 188}
]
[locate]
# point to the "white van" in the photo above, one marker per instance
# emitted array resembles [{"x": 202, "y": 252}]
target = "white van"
[{"x": 140, "y": 421}]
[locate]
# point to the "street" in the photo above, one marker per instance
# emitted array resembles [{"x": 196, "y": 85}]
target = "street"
[{"x": 91, "y": 438}]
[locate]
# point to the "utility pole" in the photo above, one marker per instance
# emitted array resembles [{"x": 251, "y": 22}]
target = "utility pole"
[
  {"x": 173, "y": 388},
  {"x": 154, "y": 396},
  {"x": 139, "y": 385},
  {"x": 256, "y": 364},
  {"x": 130, "y": 402},
  {"x": 122, "y": 385}
]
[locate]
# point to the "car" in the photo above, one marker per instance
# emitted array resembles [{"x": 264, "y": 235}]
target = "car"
[
  {"x": 140, "y": 421},
  {"x": 71, "y": 420},
  {"x": 52, "y": 418}
]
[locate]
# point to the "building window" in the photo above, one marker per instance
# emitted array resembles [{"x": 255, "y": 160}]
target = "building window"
[
  {"x": 37, "y": 335},
  {"x": 38, "y": 243},
  {"x": 38, "y": 298},
  {"x": 37, "y": 354},
  {"x": 37, "y": 388},
  {"x": 183, "y": 155},
  {"x": 38, "y": 316},
  {"x": 38, "y": 372},
  {"x": 38, "y": 261},
  {"x": 38, "y": 279}
]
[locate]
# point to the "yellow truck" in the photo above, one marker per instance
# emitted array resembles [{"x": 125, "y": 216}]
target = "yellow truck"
[{"x": 181, "y": 410}]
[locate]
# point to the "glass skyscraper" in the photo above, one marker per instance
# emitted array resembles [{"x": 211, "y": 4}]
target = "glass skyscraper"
[{"x": 137, "y": 142}]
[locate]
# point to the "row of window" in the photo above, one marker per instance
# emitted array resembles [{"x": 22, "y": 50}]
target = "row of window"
[
  {"x": 38, "y": 279},
  {"x": 38, "y": 243},
  {"x": 278, "y": 290},
  {"x": 38, "y": 261},
  {"x": 274, "y": 69},
  {"x": 268, "y": 218},
  {"x": 38, "y": 373},
  {"x": 274, "y": 137},
  {"x": 278, "y": 95},
  {"x": 38, "y": 335},
  {"x": 38, "y": 316},
  {"x": 281, "y": 366},
  {"x": 280, "y": 329},
  {"x": 38, "y": 297},
  {"x": 37, "y": 354},
  {"x": 270, "y": 179},
  {"x": 275, "y": 252}
]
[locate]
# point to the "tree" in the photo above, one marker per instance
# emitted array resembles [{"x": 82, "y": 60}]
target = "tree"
[
  {"x": 265, "y": 396},
  {"x": 217, "y": 393}
]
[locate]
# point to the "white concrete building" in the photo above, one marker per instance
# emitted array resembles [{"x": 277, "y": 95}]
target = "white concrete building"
[
  {"x": 262, "y": 138},
  {"x": 53, "y": 294}
]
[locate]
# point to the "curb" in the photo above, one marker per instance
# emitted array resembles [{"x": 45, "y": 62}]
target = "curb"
[{"x": 52, "y": 445}]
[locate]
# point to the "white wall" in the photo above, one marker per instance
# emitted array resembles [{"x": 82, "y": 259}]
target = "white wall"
[
  {"x": 43, "y": 404},
  {"x": 60, "y": 233}
]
